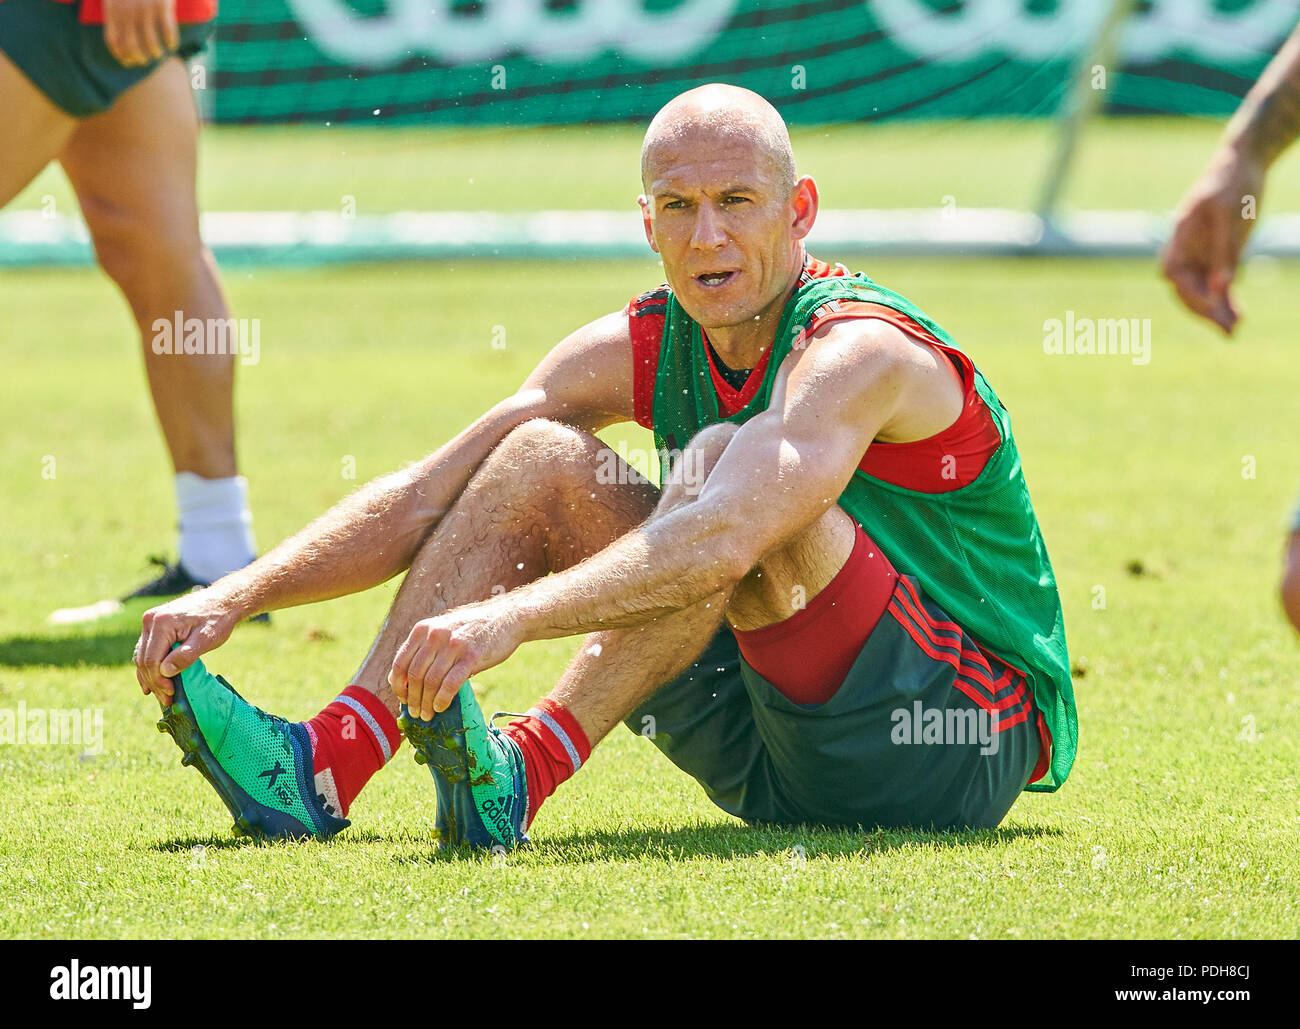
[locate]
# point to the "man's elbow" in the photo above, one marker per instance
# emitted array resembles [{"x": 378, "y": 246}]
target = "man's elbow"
[{"x": 734, "y": 554}]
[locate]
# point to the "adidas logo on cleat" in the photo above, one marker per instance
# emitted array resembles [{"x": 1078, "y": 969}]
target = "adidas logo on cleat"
[{"x": 499, "y": 815}]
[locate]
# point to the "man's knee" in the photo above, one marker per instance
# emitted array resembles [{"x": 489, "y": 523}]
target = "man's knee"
[
  {"x": 546, "y": 433},
  {"x": 569, "y": 465},
  {"x": 552, "y": 478},
  {"x": 695, "y": 464},
  {"x": 138, "y": 253},
  {"x": 544, "y": 450}
]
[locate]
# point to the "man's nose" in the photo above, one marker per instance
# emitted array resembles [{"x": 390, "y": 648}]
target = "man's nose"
[{"x": 709, "y": 233}]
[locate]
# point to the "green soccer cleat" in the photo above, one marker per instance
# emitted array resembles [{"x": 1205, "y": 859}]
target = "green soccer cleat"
[
  {"x": 478, "y": 773},
  {"x": 259, "y": 764}
]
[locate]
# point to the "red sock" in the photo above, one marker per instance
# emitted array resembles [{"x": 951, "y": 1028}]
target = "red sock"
[
  {"x": 351, "y": 740},
  {"x": 554, "y": 747}
]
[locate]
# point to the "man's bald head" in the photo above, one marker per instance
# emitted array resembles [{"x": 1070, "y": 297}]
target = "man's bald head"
[
  {"x": 707, "y": 115},
  {"x": 723, "y": 209}
]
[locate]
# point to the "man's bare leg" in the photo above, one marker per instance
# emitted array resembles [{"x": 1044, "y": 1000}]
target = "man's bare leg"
[
  {"x": 533, "y": 506},
  {"x": 615, "y": 671},
  {"x": 134, "y": 168},
  {"x": 32, "y": 130}
]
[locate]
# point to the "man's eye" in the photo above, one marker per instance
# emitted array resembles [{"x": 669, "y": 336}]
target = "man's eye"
[{"x": 733, "y": 200}]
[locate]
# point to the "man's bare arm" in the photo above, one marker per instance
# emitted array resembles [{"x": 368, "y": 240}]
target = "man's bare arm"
[
  {"x": 1217, "y": 214},
  {"x": 781, "y": 471},
  {"x": 1268, "y": 120},
  {"x": 372, "y": 535}
]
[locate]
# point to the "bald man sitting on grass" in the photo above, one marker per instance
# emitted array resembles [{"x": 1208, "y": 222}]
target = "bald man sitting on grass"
[{"x": 836, "y": 607}]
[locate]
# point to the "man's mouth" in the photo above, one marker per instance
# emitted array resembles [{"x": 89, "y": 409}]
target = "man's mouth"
[{"x": 713, "y": 280}]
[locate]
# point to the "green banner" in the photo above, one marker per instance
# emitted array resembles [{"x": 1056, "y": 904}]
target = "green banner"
[{"x": 567, "y": 61}]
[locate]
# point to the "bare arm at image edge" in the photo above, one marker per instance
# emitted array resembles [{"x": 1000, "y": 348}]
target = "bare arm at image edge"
[{"x": 1218, "y": 212}]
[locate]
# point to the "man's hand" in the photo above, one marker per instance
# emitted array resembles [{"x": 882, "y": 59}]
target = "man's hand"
[
  {"x": 198, "y": 622},
  {"x": 442, "y": 652},
  {"x": 139, "y": 31},
  {"x": 1210, "y": 230}
]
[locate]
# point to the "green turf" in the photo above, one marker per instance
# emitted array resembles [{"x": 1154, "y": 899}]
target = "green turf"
[
  {"x": 1177, "y": 821},
  {"x": 901, "y": 164}
]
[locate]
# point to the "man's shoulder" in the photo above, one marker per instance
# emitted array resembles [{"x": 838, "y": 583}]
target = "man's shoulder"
[
  {"x": 840, "y": 351},
  {"x": 815, "y": 269},
  {"x": 653, "y": 303},
  {"x": 872, "y": 358},
  {"x": 609, "y": 330},
  {"x": 603, "y": 340},
  {"x": 866, "y": 327}
]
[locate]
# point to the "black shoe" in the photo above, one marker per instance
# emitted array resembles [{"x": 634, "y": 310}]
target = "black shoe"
[{"x": 173, "y": 581}]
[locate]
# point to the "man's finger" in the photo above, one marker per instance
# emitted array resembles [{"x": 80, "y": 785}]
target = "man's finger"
[
  {"x": 435, "y": 677},
  {"x": 151, "y": 35},
  {"x": 442, "y": 651},
  {"x": 130, "y": 47},
  {"x": 1222, "y": 309},
  {"x": 164, "y": 660},
  {"x": 180, "y": 658},
  {"x": 162, "y": 634},
  {"x": 145, "y": 647},
  {"x": 112, "y": 37},
  {"x": 1192, "y": 289},
  {"x": 452, "y": 683},
  {"x": 144, "y": 683},
  {"x": 171, "y": 35},
  {"x": 1225, "y": 314},
  {"x": 397, "y": 677},
  {"x": 418, "y": 692}
]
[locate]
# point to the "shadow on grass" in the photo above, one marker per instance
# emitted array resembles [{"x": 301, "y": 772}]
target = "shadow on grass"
[
  {"x": 108, "y": 648},
  {"x": 187, "y": 844},
  {"x": 720, "y": 840},
  {"x": 729, "y": 840}
]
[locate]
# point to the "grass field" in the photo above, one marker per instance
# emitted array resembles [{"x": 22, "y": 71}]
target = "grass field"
[
  {"x": 1138, "y": 163},
  {"x": 1162, "y": 490}
]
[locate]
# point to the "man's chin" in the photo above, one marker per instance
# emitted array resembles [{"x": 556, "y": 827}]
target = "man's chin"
[{"x": 716, "y": 316}]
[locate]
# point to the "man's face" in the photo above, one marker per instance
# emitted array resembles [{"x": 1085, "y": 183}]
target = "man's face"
[{"x": 725, "y": 225}]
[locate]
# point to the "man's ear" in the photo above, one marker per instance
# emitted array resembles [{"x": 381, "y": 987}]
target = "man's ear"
[
  {"x": 803, "y": 201},
  {"x": 646, "y": 221}
]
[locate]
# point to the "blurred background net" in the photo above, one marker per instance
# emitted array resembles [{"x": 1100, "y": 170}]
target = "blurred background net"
[{"x": 492, "y": 62}]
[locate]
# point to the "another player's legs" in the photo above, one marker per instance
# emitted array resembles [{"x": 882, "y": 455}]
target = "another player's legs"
[
  {"x": 133, "y": 169},
  {"x": 528, "y": 510},
  {"x": 32, "y": 130}
]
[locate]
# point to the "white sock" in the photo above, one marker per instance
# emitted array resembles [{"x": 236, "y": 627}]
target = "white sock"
[{"x": 216, "y": 525}]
